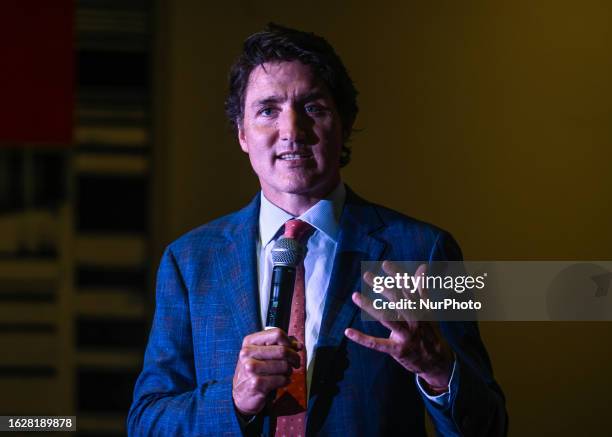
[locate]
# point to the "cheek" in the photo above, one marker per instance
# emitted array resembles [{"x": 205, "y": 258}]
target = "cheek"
[
  {"x": 261, "y": 152},
  {"x": 333, "y": 141},
  {"x": 332, "y": 130},
  {"x": 263, "y": 139},
  {"x": 262, "y": 127}
]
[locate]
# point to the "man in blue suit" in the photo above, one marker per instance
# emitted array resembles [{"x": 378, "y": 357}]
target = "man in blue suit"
[{"x": 210, "y": 368}]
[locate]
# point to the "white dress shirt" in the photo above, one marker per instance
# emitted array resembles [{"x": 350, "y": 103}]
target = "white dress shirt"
[{"x": 324, "y": 217}]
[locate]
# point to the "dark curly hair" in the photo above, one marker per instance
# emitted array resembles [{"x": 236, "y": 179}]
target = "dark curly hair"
[{"x": 279, "y": 43}]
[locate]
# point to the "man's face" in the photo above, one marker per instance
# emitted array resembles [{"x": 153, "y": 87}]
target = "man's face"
[{"x": 291, "y": 131}]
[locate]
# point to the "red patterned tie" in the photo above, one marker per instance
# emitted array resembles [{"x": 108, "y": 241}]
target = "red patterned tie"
[{"x": 288, "y": 412}]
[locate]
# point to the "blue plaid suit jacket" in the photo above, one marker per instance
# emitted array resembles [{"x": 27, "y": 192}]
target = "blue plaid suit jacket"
[{"x": 207, "y": 302}]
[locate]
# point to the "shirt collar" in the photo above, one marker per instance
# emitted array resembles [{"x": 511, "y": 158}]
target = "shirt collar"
[{"x": 323, "y": 215}]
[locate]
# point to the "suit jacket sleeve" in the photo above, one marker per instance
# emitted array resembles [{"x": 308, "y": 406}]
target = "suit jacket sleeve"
[
  {"x": 168, "y": 399},
  {"x": 477, "y": 406}
]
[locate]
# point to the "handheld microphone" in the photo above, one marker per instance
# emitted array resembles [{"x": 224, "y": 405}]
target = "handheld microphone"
[{"x": 286, "y": 254}]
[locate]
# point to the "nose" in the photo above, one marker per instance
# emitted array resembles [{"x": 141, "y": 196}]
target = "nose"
[{"x": 291, "y": 126}]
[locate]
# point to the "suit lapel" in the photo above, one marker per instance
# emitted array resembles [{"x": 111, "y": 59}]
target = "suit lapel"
[
  {"x": 358, "y": 223},
  {"x": 238, "y": 270}
]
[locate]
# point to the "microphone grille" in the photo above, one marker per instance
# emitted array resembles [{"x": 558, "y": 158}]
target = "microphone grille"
[{"x": 286, "y": 252}]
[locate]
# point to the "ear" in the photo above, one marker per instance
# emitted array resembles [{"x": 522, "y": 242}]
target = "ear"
[
  {"x": 345, "y": 135},
  {"x": 242, "y": 138}
]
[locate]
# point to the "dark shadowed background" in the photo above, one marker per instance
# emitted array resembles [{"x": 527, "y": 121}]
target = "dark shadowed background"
[{"x": 488, "y": 119}]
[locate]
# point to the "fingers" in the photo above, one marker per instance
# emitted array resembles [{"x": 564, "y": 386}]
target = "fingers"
[
  {"x": 267, "y": 368},
  {"x": 391, "y": 268},
  {"x": 418, "y": 315},
  {"x": 393, "y": 296},
  {"x": 273, "y": 352},
  {"x": 273, "y": 336},
  {"x": 422, "y": 272},
  {"x": 375, "y": 343},
  {"x": 263, "y": 384},
  {"x": 411, "y": 314},
  {"x": 250, "y": 393},
  {"x": 415, "y": 343},
  {"x": 265, "y": 363}
]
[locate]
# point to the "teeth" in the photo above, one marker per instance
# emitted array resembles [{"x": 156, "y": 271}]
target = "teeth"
[{"x": 292, "y": 156}]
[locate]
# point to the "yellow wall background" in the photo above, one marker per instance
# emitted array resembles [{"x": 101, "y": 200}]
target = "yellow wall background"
[{"x": 490, "y": 119}]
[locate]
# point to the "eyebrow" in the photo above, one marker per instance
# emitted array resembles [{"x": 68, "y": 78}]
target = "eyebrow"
[
  {"x": 267, "y": 101},
  {"x": 308, "y": 97}
]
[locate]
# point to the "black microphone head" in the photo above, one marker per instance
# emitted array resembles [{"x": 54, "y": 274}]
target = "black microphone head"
[{"x": 286, "y": 252}]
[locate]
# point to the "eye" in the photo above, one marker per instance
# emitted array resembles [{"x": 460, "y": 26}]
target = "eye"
[
  {"x": 314, "y": 109},
  {"x": 268, "y": 111}
]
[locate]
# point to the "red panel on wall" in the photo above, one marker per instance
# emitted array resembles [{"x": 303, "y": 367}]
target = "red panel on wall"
[{"x": 36, "y": 71}]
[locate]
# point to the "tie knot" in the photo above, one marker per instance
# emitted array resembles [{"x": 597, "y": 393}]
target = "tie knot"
[{"x": 296, "y": 229}]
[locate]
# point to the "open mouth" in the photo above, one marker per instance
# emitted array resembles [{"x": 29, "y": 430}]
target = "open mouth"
[{"x": 294, "y": 156}]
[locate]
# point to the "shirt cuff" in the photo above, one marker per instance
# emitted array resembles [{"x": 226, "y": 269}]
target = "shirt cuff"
[{"x": 443, "y": 399}]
